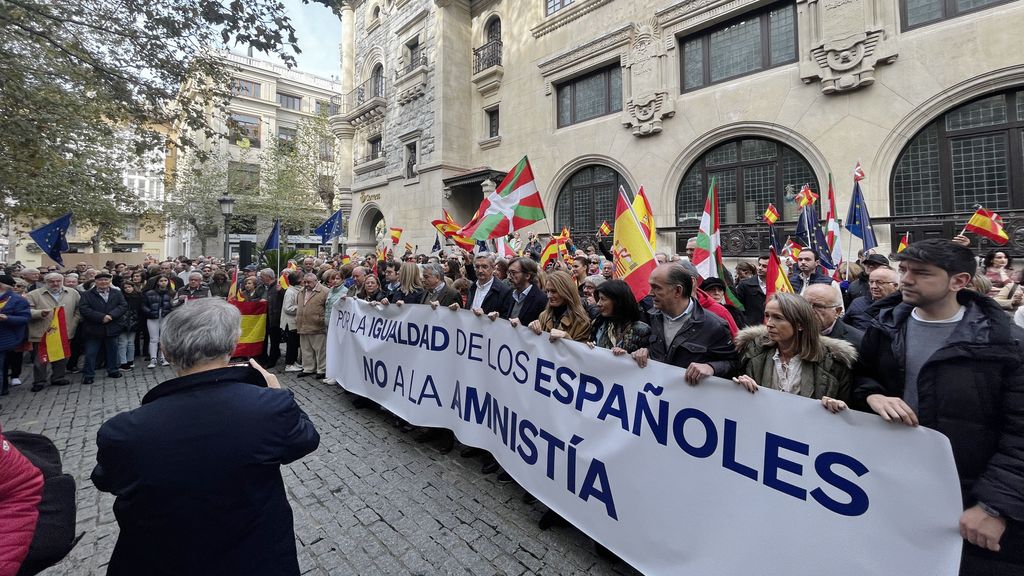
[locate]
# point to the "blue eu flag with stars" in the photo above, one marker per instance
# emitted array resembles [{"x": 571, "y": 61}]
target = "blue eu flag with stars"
[
  {"x": 331, "y": 228},
  {"x": 52, "y": 238}
]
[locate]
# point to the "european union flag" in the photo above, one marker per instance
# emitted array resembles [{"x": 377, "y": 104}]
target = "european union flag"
[
  {"x": 52, "y": 238},
  {"x": 331, "y": 228},
  {"x": 274, "y": 240},
  {"x": 857, "y": 220},
  {"x": 808, "y": 228}
]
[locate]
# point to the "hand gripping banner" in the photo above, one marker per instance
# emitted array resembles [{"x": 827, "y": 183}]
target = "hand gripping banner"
[{"x": 674, "y": 479}]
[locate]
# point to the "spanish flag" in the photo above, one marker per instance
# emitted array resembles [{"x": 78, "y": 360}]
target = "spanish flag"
[
  {"x": 806, "y": 196},
  {"x": 632, "y": 252},
  {"x": 396, "y": 235},
  {"x": 254, "y": 328},
  {"x": 605, "y": 229},
  {"x": 234, "y": 293},
  {"x": 771, "y": 215},
  {"x": 449, "y": 228},
  {"x": 904, "y": 242},
  {"x": 554, "y": 247},
  {"x": 346, "y": 259},
  {"x": 55, "y": 345},
  {"x": 283, "y": 280},
  {"x": 409, "y": 247},
  {"x": 776, "y": 279},
  {"x": 989, "y": 225},
  {"x": 645, "y": 215}
]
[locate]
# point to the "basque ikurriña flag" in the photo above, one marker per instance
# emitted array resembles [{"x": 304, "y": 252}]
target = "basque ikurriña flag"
[{"x": 514, "y": 204}]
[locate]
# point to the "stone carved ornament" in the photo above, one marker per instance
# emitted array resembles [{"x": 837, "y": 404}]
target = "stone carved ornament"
[
  {"x": 649, "y": 102},
  {"x": 849, "y": 47}
]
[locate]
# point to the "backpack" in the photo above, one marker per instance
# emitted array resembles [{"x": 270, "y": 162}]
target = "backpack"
[{"x": 55, "y": 530}]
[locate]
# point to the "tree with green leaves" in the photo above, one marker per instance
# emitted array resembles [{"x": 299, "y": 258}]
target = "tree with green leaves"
[{"x": 85, "y": 84}]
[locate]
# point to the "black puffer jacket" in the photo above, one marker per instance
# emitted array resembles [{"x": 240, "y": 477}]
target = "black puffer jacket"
[
  {"x": 971, "y": 390},
  {"x": 157, "y": 304}
]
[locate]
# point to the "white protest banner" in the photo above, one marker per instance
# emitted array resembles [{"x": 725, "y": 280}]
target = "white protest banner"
[{"x": 674, "y": 479}]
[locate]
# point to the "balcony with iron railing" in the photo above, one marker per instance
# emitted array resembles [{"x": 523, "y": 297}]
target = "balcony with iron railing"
[
  {"x": 365, "y": 103},
  {"x": 487, "y": 70},
  {"x": 411, "y": 79},
  {"x": 373, "y": 159},
  {"x": 487, "y": 56}
]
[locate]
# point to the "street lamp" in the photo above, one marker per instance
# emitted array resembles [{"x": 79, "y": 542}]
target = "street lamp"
[{"x": 227, "y": 207}]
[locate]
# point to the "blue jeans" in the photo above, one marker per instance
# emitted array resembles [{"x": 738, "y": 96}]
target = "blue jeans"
[
  {"x": 92, "y": 348},
  {"x": 126, "y": 347}
]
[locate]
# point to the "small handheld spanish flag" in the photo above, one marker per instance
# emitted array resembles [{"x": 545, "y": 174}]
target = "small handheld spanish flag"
[
  {"x": 409, "y": 247},
  {"x": 396, "y": 234},
  {"x": 345, "y": 259},
  {"x": 806, "y": 196},
  {"x": 771, "y": 215},
  {"x": 989, "y": 225},
  {"x": 904, "y": 242},
  {"x": 605, "y": 229}
]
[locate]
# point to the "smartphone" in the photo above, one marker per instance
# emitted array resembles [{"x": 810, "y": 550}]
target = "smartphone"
[{"x": 246, "y": 373}]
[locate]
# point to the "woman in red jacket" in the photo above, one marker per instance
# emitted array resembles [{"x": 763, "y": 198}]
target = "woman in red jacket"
[{"x": 21, "y": 489}]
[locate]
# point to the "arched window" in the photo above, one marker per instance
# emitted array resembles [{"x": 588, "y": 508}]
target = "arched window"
[
  {"x": 588, "y": 198},
  {"x": 750, "y": 173},
  {"x": 494, "y": 30},
  {"x": 971, "y": 155},
  {"x": 377, "y": 77},
  {"x": 376, "y": 14}
]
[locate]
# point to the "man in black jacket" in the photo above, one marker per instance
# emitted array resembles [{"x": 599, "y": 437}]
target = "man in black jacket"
[
  {"x": 945, "y": 357},
  {"x": 682, "y": 333},
  {"x": 528, "y": 300},
  {"x": 101, "y": 307},
  {"x": 275, "y": 298},
  {"x": 807, "y": 271},
  {"x": 196, "y": 469},
  {"x": 827, "y": 303},
  {"x": 487, "y": 294},
  {"x": 751, "y": 293}
]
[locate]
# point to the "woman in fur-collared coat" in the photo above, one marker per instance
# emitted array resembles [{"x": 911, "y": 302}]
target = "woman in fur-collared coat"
[{"x": 787, "y": 353}]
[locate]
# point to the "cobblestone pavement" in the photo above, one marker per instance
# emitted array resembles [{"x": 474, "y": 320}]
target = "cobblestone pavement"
[{"x": 370, "y": 500}]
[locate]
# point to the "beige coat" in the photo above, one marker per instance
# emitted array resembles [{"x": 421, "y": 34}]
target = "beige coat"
[
  {"x": 39, "y": 300},
  {"x": 310, "y": 316}
]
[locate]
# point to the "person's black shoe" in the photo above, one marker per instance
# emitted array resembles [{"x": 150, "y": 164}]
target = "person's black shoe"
[
  {"x": 127, "y": 366},
  {"x": 490, "y": 467},
  {"x": 88, "y": 381},
  {"x": 72, "y": 370},
  {"x": 37, "y": 387},
  {"x": 529, "y": 498},
  {"x": 549, "y": 519},
  {"x": 470, "y": 452},
  {"x": 505, "y": 478},
  {"x": 114, "y": 375},
  {"x": 59, "y": 382},
  {"x": 448, "y": 445},
  {"x": 304, "y": 374}
]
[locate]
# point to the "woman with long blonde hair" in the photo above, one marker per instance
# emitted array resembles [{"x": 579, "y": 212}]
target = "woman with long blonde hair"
[{"x": 564, "y": 316}]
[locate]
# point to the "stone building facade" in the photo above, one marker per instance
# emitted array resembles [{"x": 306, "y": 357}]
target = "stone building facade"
[{"x": 762, "y": 97}]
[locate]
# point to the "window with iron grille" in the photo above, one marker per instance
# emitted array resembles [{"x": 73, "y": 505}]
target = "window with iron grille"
[
  {"x": 749, "y": 173},
  {"x": 917, "y": 13},
  {"x": 290, "y": 102},
  {"x": 588, "y": 198},
  {"x": 750, "y": 43},
  {"x": 972, "y": 155},
  {"x": 248, "y": 88},
  {"x": 410, "y": 160},
  {"x": 596, "y": 94},
  {"x": 243, "y": 126}
]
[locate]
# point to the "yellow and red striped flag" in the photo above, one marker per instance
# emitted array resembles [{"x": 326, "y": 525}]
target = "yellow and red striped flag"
[
  {"x": 449, "y": 228},
  {"x": 554, "y": 247},
  {"x": 409, "y": 247},
  {"x": 987, "y": 224},
  {"x": 633, "y": 255},
  {"x": 254, "y": 328},
  {"x": 904, "y": 242},
  {"x": 775, "y": 278},
  {"x": 644, "y": 213},
  {"x": 55, "y": 345},
  {"x": 605, "y": 229},
  {"x": 234, "y": 294},
  {"x": 806, "y": 196},
  {"x": 771, "y": 215},
  {"x": 283, "y": 280},
  {"x": 345, "y": 259},
  {"x": 396, "y": 235}
]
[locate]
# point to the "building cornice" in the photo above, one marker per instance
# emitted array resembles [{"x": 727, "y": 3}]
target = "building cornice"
[{"x": 566, "y": 15}]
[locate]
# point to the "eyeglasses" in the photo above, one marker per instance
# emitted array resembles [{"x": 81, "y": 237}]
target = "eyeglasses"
[
  {"x": 880, "y": 282},
  {"x": 817, "y": 306}
]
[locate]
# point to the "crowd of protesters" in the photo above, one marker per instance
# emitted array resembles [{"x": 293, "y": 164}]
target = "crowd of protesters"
[{"x": 924, "y": 337}]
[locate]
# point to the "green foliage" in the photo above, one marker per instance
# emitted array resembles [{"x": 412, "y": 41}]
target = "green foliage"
[
  {"x": 85, "y": 84},
  {"x": 277, "y": 259}
]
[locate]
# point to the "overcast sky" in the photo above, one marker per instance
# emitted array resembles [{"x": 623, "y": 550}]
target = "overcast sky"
[{"x": 318, "y": 32}]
